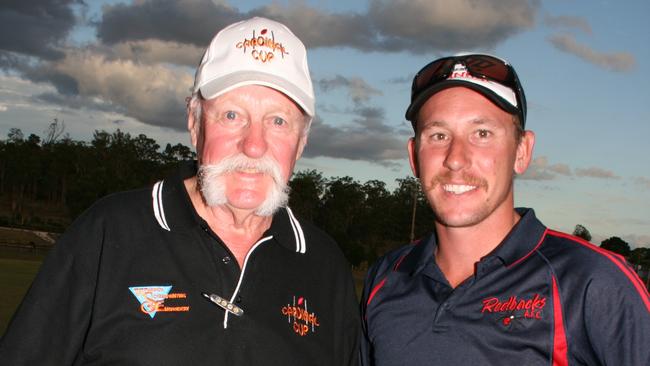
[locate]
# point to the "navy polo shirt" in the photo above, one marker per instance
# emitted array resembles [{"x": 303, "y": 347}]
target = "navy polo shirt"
[{"x": 540, "y": 298}]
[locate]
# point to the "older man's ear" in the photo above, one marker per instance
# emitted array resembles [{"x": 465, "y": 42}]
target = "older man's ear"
[{"x": 193, "y": 126}]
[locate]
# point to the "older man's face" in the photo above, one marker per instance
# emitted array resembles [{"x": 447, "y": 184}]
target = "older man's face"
[{"x": 254, "y": 135}]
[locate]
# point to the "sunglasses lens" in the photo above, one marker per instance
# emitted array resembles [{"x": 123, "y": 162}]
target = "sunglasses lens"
[
  {"x": 431, "y": 74},
  {"x": 489, "y": 67}
]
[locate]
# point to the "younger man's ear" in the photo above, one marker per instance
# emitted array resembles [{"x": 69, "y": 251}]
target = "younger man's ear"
[
  {"x": 413, "y": 156},
  {"x": 524, "y": 152}
]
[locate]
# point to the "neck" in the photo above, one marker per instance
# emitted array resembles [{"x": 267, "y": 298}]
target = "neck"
[
  {"x": 461, "y": 248},
  {"x": 238, "y": 229}
]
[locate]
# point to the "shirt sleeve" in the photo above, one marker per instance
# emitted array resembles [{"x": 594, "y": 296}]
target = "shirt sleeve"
[
  {"x": 351, "y": 324},
  {"x": 617, "y": 318},
  {"x": 365, "y": 348},
  {"x": 50, "y": 324}
]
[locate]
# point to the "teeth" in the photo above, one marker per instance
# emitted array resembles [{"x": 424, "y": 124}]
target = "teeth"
[{"x": 457, "y": 188}]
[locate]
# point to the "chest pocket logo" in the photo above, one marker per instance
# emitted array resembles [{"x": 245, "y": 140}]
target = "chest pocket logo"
[
  {"x": 152, "y": 299},
  {"x": 515, "y": 310},
  {"x": 298, "y": 315}
]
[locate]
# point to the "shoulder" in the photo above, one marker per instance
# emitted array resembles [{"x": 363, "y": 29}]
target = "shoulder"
[
  {"x": 120, "y": 210},
  {"x": 123, "y": 201},
  {"x": 384, "y": 266},
  {"x": 576, "y": 254},
  {"x": 579, "y": 264},
  {"x": 319, "y": 243}
]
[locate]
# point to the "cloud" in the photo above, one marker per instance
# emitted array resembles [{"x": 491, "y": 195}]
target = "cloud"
[
  {"x": 368, "y": 138},
  {"x": 400, "y": 80},
  {"x": 317, "y": 28},
  {"x": 595, "y": 172},
  {"x": 422, "y": 26},
  {"x": 540, "y": 169},
  {"x": 35, "y": 28},
  {"x": 77, "y": 102},
  {"x": 156, "y": 51},
  {"x": 568, "y": 22},
  {"x": 401, "y": 25},
  {"x": 181, "y": 21},
  {"x": 152, "y": 94},
  {"x": 128, "y": 70},
  {"x": 620, "y": 62},
  {"x": 642, "y": 181},
  {"x": 358, "y": 90}
]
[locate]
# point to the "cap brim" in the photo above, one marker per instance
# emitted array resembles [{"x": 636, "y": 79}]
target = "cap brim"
[
  {"x": 414, "y": 108},
  {"x": 219, "y": 86}
]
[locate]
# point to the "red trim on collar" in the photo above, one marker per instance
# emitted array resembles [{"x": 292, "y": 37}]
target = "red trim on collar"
[{"x": 531, "y": 251}]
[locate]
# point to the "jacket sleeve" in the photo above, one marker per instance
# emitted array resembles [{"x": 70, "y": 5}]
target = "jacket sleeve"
[
  {"x": 617, "y": 318},
  {"x": 50, "y": 324}
]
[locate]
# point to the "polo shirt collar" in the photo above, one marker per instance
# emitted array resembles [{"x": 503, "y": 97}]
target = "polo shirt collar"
[
  {"x": 173, "y": 211},
  {"x": 523, "y": 239},
  {"x": 420, "y": 256}
]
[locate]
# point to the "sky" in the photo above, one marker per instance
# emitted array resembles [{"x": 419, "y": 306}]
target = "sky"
[{"x": 104, "y": 65}]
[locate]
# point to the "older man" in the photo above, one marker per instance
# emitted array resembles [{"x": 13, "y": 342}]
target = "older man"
[
  {"x": 208, "y": 266},
  {"x": 491, "y": 285}
]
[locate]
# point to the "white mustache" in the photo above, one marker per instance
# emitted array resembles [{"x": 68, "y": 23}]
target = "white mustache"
[
  {"x": 211, "y": 183},
  {"x": 239, "y": 162}
]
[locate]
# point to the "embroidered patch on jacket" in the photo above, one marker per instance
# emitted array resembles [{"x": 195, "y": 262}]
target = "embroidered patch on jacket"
[
  {"x": 264, "y": 47},
  {"x": 152, "y": 299},
  {"x": 299, "y": 317},
  {"x": 514, "y": 311}
]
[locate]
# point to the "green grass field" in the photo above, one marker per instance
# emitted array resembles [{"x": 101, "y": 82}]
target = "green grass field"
[{"x": 15, "y": 277}]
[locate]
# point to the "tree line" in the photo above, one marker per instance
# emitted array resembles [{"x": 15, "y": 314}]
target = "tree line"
[{"x": 45, "y": 182}]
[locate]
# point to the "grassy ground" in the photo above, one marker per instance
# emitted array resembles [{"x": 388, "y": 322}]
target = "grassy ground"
[{"x": 15, "y": 277}]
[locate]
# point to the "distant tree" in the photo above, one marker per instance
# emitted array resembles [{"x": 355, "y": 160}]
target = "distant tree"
[
  {"x": 582, "y": 232},
  {"x": 342, "y": 208},
  {"x": 172, "y": 154},
  {"x": 15, "y": 135},
  {"x": 307, "y": 188},
  {"x": 616, "y": 245},
  {"x": 54, "y": 131},
  {"x": 640, "y": 257}
]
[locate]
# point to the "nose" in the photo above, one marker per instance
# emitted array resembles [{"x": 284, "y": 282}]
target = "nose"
[
  {"x": 457, "y": 155},
  {"x": 254, "y": 143}
]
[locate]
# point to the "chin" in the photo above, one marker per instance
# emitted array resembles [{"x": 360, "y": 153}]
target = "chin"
[{"x": 460, "y": 219}]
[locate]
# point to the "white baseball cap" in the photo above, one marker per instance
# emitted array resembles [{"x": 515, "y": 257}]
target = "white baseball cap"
[{"x": 256, "y": 51}]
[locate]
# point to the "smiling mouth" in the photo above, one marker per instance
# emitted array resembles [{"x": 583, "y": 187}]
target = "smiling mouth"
[{"x": 458, "y": 188}]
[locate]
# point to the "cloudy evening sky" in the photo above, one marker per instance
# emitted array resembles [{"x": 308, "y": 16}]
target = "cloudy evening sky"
[{"x": 103, "y": 65}]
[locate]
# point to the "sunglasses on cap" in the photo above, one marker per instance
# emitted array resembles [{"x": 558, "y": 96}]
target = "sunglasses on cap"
[{"x": 493, "y": 77}]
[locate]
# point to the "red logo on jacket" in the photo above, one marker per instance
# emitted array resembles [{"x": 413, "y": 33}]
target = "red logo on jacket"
[{"x": 515, "y": 308}]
